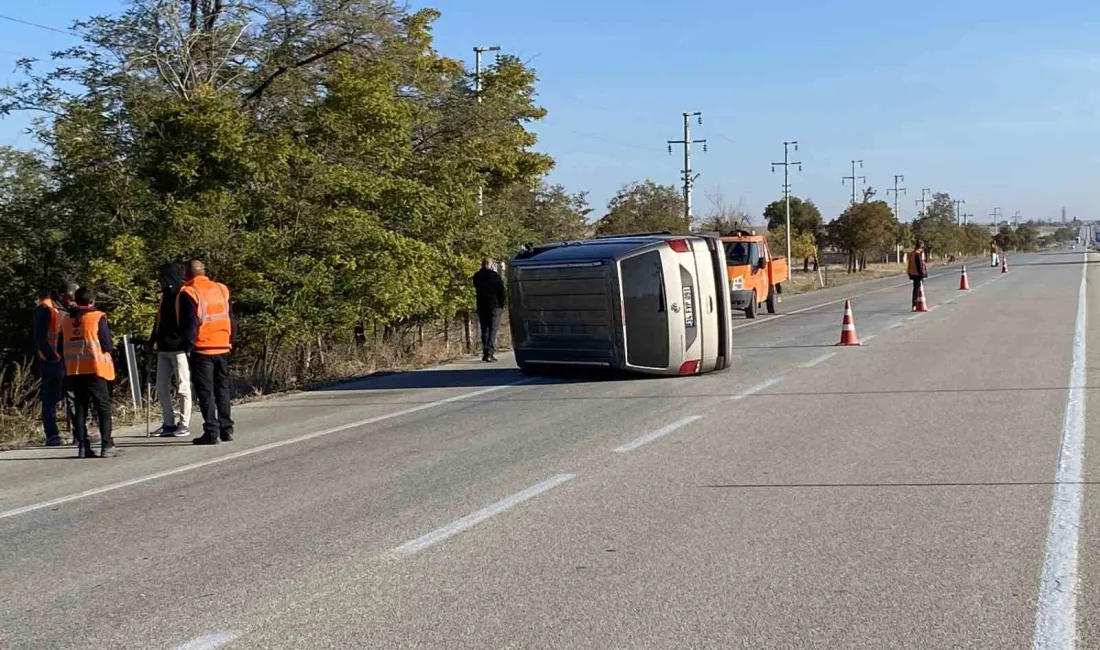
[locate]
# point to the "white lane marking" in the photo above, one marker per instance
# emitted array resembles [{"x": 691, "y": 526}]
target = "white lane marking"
[
  {"x": 757, "y": 388},
  {"x": 895, "y": 326},
  {"x": 475, "y": 518},
  {"x": 758, "y": 321},
  {"x": 1056, "y": 616},
  {"x": 948, "y": 301},
  {"x": 869, "y": 337},
  {"x": 822, "y": 359},
  {"x": 912, "y": 317},
  {"x": 209, "y": 641},
  {"x": 254, "y": 450},
  {"x": 653, "y": 435}
]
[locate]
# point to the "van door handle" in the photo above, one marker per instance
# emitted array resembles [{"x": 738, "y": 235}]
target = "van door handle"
[{"x": 710, "y": 304}]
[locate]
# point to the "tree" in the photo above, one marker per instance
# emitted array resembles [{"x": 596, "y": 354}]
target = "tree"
[
  {"x": 541, "y": 214},
  {"x": 321, "y": 157},
  {"x": 863, "y": 228},
  {"x": 722, "y": 217},
  {"x": 644, "y": 207},
  {"x": 805, "y": 219},
  {"x": 938, "y": 228},
  {"x": 802, "y": 244}
]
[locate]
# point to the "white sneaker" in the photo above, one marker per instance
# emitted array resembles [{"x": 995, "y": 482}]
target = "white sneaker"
[
  {"x": 165, "y": 431},
  {"x": 181, "y": 431}
]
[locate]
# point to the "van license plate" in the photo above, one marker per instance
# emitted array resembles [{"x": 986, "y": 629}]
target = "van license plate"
[{"x": 689, "y": 307}]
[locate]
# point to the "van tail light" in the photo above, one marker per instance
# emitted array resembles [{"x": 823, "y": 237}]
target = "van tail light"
[
  {"x": 689, "y": 367},
  {"x": 679, "y": 245}
]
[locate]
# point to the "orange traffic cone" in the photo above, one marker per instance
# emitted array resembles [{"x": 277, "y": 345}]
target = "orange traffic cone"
[
  {"x": 964, "y": 283},
  {"x": 848, "y": 327},
  {"x": 1004, "y": 264},
  {"x": 922, "y": 304}
]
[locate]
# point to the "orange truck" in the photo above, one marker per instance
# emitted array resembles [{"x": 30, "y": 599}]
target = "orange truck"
[{"x": 756, "y": 277}]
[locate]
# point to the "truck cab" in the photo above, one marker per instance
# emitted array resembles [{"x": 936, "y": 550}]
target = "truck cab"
[{"x": 755, "y": 276}]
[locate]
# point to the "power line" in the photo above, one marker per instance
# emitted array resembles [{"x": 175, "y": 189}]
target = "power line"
[
  {"x": 921, "y": 201},
  {"x": 854, "y": 178},
  {"x": 689, "y": 180},
  {"x": 28, "y": 23},
  {"x": 786, "y": 164},
  {"x": 897, "y": 178}
]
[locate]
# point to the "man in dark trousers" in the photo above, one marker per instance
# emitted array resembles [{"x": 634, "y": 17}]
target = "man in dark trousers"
[
  {"x": 917, "y": 270},
  {"x": 171, "y": 358},
  {"x": 490, "y": 306},
  {"x": 206, "y": 320},
  {"x": 86, "y": 349},
  {"x": 51, "y": 371}
]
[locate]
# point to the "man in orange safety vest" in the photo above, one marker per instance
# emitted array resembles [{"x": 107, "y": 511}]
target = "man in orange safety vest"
[
  {"x": 86, "y": 349},
  {"x": 206, "y": 320}
]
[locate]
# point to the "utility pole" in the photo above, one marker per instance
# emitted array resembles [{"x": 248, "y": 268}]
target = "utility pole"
[
  {"x": 689, "y": 180},
  {"x": 996, "y": 215},
  {"x": 854, "y": 178},
  {"x": 921, "y": 202},
  {"x": 478, "y": 50},
  {"x": 897, "y": 178},
  {"x": 958, "y": 211},
  {"x": 966, "y": 218},
  {"x": 787, "y": 193},
  {"x": 1016, "y": 218}
]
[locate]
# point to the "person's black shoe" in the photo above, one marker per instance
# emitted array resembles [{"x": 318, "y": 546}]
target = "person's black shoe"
[
  {"x": 84, "y": 450},
  {"x": 485, "y": 358},
  {"x": 226, "y": 436},
  {"x": 54, "y": 442},
  {"x": 492, "y": 358},
  {"x": 205, "y": 439}
]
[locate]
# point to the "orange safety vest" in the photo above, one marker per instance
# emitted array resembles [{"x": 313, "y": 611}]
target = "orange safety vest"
[
  {"x": 913, "y": 260},
  {"x": 54, "y": 327},
  {"x": 212, "y": 307},
  {"x": 81, "y": 349}
]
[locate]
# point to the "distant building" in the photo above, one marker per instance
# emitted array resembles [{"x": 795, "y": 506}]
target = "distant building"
[{"x": 1063, "y": 214}]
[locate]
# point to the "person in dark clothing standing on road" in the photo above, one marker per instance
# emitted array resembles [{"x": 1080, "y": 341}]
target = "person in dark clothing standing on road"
[
  {"x": 172, "y": 363},
  {"x": 86, "y": 348},
  {"x": 206, "y": 320},
  {"x": 917, "y": 270},
  {"x": 51, "y": 371},
  {"x": 490, "y": 305}
]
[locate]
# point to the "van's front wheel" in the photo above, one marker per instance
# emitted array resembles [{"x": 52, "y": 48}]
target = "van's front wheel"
[
  {"x": 750, "y": 311},
  {"x": 770, "y": 302}
]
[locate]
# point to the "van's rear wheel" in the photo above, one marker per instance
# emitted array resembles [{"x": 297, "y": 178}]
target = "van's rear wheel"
[
  {"x": 770, "y": 303},
  {"x": 750, "y": 311}
]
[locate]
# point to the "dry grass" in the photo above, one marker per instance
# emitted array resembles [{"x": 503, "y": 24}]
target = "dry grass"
[
  {"x": 19, "y": 407},
  {"x": 835, "y": 276}
]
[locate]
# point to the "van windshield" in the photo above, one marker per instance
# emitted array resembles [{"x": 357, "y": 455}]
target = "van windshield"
[{"x": 737, "y": 253}]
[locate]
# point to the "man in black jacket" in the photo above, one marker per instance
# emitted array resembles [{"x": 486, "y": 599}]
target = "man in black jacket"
[
  {"x": 47, "y": 327},
  {"x": 172, "y": 362},
  {"x": 490, "y": 305}
]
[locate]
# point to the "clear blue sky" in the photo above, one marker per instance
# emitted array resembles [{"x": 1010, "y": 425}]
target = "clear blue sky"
[{"x": 994, "y": 102}]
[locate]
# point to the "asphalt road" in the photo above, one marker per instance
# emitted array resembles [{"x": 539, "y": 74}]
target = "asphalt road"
[{"x": 896, "y": 495}]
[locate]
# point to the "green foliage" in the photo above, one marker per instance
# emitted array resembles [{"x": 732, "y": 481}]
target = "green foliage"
[
  {"x": 321, "y": 157},
  {"x": 805, "y": 217},
  {"x": 802, "y": 244},
  {"x": 644, "y": 207},
  {"x": 938, "y": 228},
  {"x": 865, "y": 228}
]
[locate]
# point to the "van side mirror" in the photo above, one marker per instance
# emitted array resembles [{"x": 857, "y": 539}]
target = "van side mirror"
[{"x": 761, "y": 263}]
